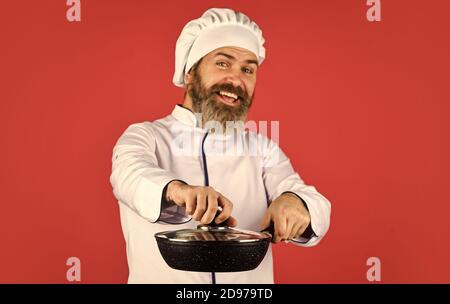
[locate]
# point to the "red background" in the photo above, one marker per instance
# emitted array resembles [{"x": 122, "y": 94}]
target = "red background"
[{"x": 363, "y": 110}]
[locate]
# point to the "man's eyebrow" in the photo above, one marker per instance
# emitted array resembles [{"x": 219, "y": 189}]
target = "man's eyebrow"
[{"x": 249, "y": 61}]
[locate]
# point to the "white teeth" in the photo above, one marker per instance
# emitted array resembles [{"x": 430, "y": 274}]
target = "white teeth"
[{"x": 228, "y": 94}]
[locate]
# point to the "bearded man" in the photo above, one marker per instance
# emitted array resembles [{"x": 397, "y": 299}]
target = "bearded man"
[{"x": 169, "y": 174}]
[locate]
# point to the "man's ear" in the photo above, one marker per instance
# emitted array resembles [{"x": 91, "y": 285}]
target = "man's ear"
[{"x": 188, "y": 77}]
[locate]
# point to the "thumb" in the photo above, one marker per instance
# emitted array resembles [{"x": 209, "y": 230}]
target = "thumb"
[{"x": 266, "y": 220}]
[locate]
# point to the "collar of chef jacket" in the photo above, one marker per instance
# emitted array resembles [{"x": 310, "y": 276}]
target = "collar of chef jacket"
[{"x": 186, "y": 116}]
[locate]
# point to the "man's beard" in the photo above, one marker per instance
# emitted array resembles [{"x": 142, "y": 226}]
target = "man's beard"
[{"x": 205, "y": 101}]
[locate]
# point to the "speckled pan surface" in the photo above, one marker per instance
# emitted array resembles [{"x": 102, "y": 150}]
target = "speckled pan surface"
[
  {"x": 207, "y": 256},
  {"x": 213, "y": 248}
]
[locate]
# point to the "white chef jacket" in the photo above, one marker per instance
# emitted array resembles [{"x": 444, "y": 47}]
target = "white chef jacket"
[{"x": 249, "y": 169}]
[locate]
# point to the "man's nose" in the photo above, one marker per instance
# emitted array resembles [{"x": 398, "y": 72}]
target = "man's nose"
[{"x": 234, "y": 78}]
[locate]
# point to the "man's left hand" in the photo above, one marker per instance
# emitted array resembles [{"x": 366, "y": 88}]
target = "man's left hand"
[{"x": 289, "y": 216}]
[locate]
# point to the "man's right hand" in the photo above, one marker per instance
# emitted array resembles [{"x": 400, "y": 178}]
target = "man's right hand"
[{"x": 201, "y": 202}]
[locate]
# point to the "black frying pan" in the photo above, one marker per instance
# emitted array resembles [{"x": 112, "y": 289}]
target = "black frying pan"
[{"x": 211, "y": 248}]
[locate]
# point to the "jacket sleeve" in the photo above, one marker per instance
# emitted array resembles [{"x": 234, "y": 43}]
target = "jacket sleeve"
[
  {"x": 279, "y": 177},
  {"x": 136, "y": 178}
]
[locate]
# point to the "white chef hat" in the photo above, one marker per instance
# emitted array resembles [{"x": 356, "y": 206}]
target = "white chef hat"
[{"x": 216, "y": 28}]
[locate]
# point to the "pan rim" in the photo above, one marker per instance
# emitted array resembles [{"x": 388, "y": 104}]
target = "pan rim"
[{"x": 161, "y": 236}]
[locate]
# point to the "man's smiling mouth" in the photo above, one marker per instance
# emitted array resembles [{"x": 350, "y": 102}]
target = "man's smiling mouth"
[{"x": 228, "y": 97}]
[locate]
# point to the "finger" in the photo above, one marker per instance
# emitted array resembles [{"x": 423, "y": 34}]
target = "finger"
[
  {"x": 295, "y": 230},
  {"x": 211, "y": 209},
  {"x": 301, "y": 230},
  {"x": 280, "y": 227},
  {"x": 191, "y": 204},
  {"x": 227, "y": 207},
  {"x": 265, "y": 223},
  {"x": 201, "y": 206},
  {"x": 289, "y": 227},
  {"x": 231, "y": 222}
]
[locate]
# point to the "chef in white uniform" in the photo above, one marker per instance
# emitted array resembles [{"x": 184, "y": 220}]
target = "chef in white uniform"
[{"x": 174, "y": 173}]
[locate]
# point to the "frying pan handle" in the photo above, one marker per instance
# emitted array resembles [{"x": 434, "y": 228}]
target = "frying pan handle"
[{"x": 270, "y": 229}]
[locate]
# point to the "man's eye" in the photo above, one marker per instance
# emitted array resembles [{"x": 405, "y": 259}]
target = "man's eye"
[
  {"x": 247, "y": 70},
  {"x": 222, "y": 64}
]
